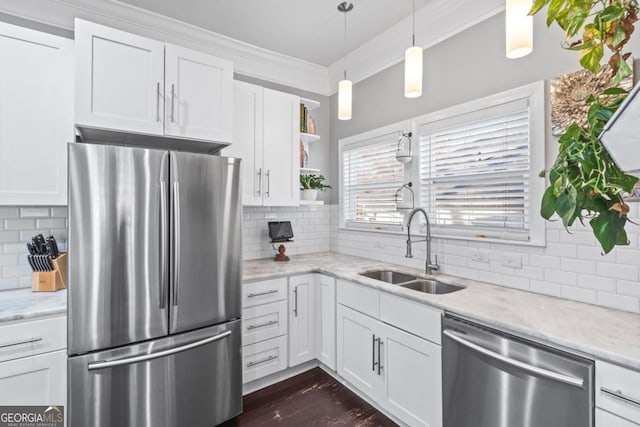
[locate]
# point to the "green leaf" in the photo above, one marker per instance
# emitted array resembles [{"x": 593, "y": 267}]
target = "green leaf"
[
  {"x": 590, "y": 60},
  {"x": 618, "y": 35},
  {"x": 566, "y": 205},
  {"x": 615, "y": 91},
  {"x": 581, "y": 46},
  {"x": 607, "y": 228},
  {"x": 548, "y": 206},
  {"x": 537, "y": 5},
  {"x": 611, "y": 12},
  {"x": 576, "y": 21},
  {"x": 624, "y": 71},
  {"x": 603, "y": 114},
  {"x": 554, "y": 8}
]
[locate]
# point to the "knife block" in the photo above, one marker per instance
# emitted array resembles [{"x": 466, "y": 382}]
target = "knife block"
[{"x": 51, "y": 281}]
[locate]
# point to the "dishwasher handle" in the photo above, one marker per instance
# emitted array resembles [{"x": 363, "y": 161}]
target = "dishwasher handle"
[{"x": 542, "y": 372}]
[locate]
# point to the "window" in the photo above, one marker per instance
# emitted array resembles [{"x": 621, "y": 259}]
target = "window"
[
  {"x": 478, "y": 167},
  {"x": 370, "y": 177}
]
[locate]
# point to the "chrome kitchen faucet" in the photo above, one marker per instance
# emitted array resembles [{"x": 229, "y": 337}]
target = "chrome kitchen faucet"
[{"x": 428, "y": 266}]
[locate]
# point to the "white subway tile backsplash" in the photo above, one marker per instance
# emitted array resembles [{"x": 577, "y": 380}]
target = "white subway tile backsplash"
[
  {"x": 626, "y": 287},
  {"x": 597, "y": 283},
  {"x": 619, "y": 302},
  {"x": 9, "y": 212},
  {"x": 34, "y": 212},
  {"x": 20, "y": 224},
  {"x": 618, "y": 271},
  {"x": 48, "y": 224},
  {"x": 579, "y": 294},
  {"x": 577, "y": 265},
  {"x": 546, "y": 288}
]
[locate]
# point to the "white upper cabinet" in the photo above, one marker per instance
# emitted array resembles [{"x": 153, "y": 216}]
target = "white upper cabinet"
[
  {"x": 133, "y": 84},
  {"x": 36, "y": 116},
  {"x": 199, "y": 91},
  {"x": 119, "y": 80},
  {"x": 266, "y": 137}
]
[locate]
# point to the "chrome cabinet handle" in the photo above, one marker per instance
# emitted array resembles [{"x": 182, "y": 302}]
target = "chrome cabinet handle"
[
  {"x": 22, "y": 342},
  {"x": 143, "y": 358},
  {"x": 262, "y": 325},
  {"x": 268, "y": 182},
  {"x": 618, "y": 394},
  {"x": 176, "y": 231},
  {"x": 295, "y": 297},
  {"x": 157, "y": 101},
  {"x": 373, "y": 353},
  {"x": 163, "y": 244},
  {"x": 259, "y": 191},
  {"x": 173, "y": 97},
  {"x": 546, "y": 373},
  {"x": 379, "y": 355},
  {"x": 258, "y": 294},
  {"x": 258, "y": 362}
]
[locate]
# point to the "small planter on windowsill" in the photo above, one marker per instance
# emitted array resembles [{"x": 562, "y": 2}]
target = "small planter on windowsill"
[{"x": 310, "y": 184}]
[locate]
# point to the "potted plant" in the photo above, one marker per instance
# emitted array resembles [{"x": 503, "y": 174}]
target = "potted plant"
[
  {"x": 310, "y": 184},
  {"x": 585, "y": 183}
]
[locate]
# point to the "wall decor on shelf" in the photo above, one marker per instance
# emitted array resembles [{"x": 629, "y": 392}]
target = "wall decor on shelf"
[{"x": 570, "y": 92}]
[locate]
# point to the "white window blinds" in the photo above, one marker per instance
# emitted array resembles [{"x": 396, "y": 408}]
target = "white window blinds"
[
  {"x": 475, "y": 172},
  {"x": 370, "y": 177}
]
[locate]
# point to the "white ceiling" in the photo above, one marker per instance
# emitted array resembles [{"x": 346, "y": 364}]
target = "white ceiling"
[{"x": 312, "y": 30}]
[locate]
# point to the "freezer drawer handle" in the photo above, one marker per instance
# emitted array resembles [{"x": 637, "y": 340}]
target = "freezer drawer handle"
[
  {"x": 12, "y": 344},
  {"x": 576, "y": 382},
  {"x": 262, "y": 325},
  {"x": 618, "y": 394},
  {"x": 259, "y": 294},
  {"x": 258, "y": 362},
  {"x": 135, "y": 359}
]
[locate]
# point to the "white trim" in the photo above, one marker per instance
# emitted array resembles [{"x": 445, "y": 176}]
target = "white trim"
[
  {"x": 248, "y": 59},
  {"x": 435, "y": 22}
]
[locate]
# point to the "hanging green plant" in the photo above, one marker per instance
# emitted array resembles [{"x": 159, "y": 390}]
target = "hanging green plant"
[{"x": 585, "y": 182}]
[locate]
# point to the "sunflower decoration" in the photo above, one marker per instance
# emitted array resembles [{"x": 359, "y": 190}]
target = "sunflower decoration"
[{"x": 570, "y": 91}]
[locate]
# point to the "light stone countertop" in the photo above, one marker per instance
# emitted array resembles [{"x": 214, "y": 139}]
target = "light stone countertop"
[
  {"x": 21, "y": 304},
  {"x": 606, "y": 334}
]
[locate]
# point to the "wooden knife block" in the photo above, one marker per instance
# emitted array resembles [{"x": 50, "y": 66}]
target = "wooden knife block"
[{"x": 51, "y": 281}]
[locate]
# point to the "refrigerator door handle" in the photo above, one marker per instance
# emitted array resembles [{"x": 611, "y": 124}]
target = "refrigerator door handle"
[
  {"x": 104, "y": 364},
  {"x": 163, "y": 244},
  {"x": 176, "y": 241}
]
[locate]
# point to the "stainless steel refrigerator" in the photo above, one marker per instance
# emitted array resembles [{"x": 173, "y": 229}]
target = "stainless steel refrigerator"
[{"x": 154, "y": 287}]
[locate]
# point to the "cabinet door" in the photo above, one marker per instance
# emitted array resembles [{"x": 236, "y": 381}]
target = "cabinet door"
[
  {"x": 412, "y": 369},
  {"x": 35, "y": 380},
  {"x": 606, "y": 419},
  {"x": 36, "y": 116},
  {"x": 248, "y": 139},
  {"x": 199, "y": 94},
  {"x": 119, "y": 80},
  {"x": 326, "y": 320},
  {"x": 357, "y": 352},
  {"x": 281, "y": 149},
  {"x": 301, "y": 319}
]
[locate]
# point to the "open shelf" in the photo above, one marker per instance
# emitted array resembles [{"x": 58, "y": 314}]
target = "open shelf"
[
  {"x": 311, "y": 202},
  {"x": 307, "y": 137},
  {"x": 311, "y": 104},
  {"x": 306, "y": 171}
]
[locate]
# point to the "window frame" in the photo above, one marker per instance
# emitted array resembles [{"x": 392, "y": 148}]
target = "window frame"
[
  {"x": 361, "y": 140},
  {"x": 534, "y": 94}
]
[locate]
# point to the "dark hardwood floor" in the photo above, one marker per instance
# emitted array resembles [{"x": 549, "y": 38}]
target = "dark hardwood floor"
[{"x": 312, "y": 398}]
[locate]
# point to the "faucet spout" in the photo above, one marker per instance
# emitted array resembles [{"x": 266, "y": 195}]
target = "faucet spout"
[{"x": 429, "y": 266}]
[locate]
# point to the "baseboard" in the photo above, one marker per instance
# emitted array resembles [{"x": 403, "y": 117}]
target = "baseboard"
[{"x": 277, "y": 377}]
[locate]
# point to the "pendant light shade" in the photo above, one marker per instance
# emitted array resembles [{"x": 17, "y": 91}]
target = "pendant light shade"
[
  {"x": 344, "y": 86},
  {"x": 413, "y": 65},
  {"x": 344, "y": 100},
  {"x": 519, "y": 28},
  {"x": 413, "y": 72}
]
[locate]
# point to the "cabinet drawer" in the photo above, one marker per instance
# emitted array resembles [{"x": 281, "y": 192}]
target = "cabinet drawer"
[
  {"x": 263, "y": 292},
  {"x": 32, "y": 337},
  {"x": 625, "y": 384},
  {"x": 359, "y": 298},
  {"x": 264, "y": 358},
  {"x": 412, "y": 317},
  {"x": 605, "y": 419},
  {"x": 264, "y": 322}
]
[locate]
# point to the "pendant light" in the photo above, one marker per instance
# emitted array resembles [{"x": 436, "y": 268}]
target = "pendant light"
[
  {"x": 519, "y": 28},
  {"x": 345, "y": 86},
  {"x": 413, "y": 65}
]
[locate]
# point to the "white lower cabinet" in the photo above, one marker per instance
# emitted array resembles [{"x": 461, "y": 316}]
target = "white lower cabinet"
[
  {"x": 35, "y": 380},
  {"x": 606, "y": 419},
  {"x": 302, "y": 319},
  {"x": 326, "y": 320},
  {"x": 264, "y": 358},
  {"x": 617, "y": 396}
]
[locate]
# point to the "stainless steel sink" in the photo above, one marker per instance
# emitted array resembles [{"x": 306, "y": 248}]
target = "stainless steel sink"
[
  {"x": 389, "y": 276},
  {"x": 431, "y": 286}
]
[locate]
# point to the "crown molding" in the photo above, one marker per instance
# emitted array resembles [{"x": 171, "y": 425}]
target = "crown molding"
[
  {"x": 435, "y": 22},
  {"x": 248, "y": 59}
]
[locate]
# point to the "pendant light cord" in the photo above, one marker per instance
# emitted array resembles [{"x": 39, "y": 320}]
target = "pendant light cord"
[
  {"x": 344, "y": 46},
  {"x": 413, "y": 42}
]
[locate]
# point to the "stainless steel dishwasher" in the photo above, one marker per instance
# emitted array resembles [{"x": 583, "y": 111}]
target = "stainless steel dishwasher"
[{"x": 493, "y": 379}]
